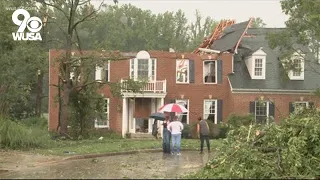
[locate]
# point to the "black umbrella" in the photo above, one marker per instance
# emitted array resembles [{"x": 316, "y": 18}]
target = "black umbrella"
[{"x": 158, "y": 116}]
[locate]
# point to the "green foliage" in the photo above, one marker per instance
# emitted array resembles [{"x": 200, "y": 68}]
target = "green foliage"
[
  {"x": 257, "y": 23},
  {"x": 186, "y": 132},
  {"x": 36, "y": 122},
  {"x": 15, "y": 135},
  {"x": 236, "y": 121},
  {"x": 289, "y": 150}
]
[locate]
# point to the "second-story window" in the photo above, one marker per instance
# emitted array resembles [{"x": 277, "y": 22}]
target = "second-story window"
[
  {"x": 143, "y": 69},
  {"x": 182, "y": 71},
  {"x": 209, "y": 72}
]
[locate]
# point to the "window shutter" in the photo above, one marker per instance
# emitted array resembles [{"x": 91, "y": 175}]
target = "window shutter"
[
  {"x": 191, "y": 71},
  {"x": 291, "y": 107},
  {"x": 219, "y": 71},
  {"x": 219, "y": 111},
  {"x": 252, "y": 107},
  {"x": 271, "y": 109},
  {"x": 311, "y": 105},
  {"x": 131, "y": 68}
]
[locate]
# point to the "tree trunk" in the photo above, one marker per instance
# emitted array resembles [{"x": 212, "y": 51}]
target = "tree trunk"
[{"x": 39, "y": 94}]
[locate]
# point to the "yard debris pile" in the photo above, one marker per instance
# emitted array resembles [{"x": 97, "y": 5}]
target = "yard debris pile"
[{"x": 288, "y": 150}]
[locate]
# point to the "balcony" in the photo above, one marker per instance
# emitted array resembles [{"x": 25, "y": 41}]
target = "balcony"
[{"x": 158, "y": 86}]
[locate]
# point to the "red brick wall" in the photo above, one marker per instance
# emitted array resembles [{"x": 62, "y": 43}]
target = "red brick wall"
[
  {"x": 195, "y": 92},
  {"x": 240, "y": 102}
]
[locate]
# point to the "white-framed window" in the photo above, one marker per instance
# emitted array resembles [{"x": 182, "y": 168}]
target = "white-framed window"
[
  {"x": 258, "y": 66},
  {"x": 182, "y": 71},
  {"x": 210, "y": 71},
  {"x": 297, "y": 63},
  {"x": 143, "y": 69},
  {"x": 210, "y": 110},
  {"x": 297, "y": 72},
  {"x": 261, "y": 111},
  {"x": 301, "y": 105},
  {"x": 183, "y": 117},
  {"x": 103, "y": 73},
  {"x": 104, "y": 122}
]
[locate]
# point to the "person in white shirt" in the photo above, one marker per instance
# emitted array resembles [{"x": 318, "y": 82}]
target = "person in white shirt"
[{"x": 175, "y": 127}]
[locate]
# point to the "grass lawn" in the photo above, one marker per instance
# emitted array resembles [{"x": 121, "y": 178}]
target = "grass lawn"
[{"x": 112, "y": 145}]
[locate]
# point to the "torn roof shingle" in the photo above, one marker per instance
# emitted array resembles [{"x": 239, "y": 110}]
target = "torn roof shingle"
[{"x": 230, "y": 36}]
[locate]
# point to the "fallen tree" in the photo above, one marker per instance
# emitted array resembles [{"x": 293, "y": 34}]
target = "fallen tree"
[{"x": 288, "y": 150}]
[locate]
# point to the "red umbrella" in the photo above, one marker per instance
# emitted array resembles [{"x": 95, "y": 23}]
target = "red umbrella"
[{"x": 173, "y": 107}]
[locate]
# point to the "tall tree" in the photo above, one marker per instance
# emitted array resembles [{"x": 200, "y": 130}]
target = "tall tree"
[
  {"x": 257, "y": 23},
  {"x": 303, "y": 30},
  {"x": 20, "y": 62}
]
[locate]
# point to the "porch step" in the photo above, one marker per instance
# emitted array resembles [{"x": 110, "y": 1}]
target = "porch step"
[{"x": 142, "y": 136}]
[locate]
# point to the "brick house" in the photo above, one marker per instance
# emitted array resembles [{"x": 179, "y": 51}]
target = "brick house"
[{"x": 241, "y": 72}]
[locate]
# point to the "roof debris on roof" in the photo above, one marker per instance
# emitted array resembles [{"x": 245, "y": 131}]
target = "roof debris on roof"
[{"x": 225, "y": 37}]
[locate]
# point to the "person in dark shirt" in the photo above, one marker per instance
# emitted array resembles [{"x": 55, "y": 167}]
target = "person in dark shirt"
[
  {"x": 203, "y": 130},
  {"x": 166, "y": 136}
]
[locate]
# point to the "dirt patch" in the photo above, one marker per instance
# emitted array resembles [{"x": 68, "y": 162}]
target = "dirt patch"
[
  {"x": 15, "y": 160},
  {"x": 138, "y": 165}
]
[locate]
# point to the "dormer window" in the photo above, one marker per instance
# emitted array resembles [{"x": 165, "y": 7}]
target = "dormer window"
[
  {"x": 258, "y": 67},
  {"x": 296, "y": 68},
  {"x": 256, "y": 64}
]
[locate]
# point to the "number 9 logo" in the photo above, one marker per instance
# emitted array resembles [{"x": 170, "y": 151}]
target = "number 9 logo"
[{"x": 35, "y": 22}]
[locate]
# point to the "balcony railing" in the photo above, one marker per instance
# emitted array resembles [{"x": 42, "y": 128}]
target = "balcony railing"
[{"x": 158, "y": 86}]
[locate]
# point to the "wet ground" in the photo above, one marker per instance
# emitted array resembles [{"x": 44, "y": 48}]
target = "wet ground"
[{"x": 141, "y": 165}]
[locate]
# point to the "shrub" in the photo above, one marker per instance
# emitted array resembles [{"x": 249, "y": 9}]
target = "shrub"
[
  {"x": 15, "y": 135},
  {"x": 35, "y": 121},
  {"x": 289, "y": 150},
  {"x": 186, "y": 132}
]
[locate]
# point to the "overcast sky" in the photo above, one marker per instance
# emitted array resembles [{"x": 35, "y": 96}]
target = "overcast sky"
[{"x": 240, "y": 10}]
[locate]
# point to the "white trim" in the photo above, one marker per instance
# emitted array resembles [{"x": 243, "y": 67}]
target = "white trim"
[
  {"x": 232, "y": 65},
  {"x": 301, "y": 102},
  {"x": 144, "y": 95},
  {"x": 109, "y": 64},
  {"x": 188, "y": 71},
  {"x": 216, "y": 71},
  {"x": 216, "y": 108},
  {"x": 230, "y": 84},
  {"x": 135, "y": 68},
  {"x": 237, "y": 90},
  {"x": 267, "y": 110},
  {"x": 108, "y": 116},
  {"x": 209, "y": 50},
  {"x": 188, "y": 105},
  {"x": 263, "y": 75},
  {"x": 291, "y": 72}
]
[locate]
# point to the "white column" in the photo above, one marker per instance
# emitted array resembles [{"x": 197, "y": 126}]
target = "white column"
[
  {"x": 124, "y": 116},
  {"x": 153, "y": 110}
]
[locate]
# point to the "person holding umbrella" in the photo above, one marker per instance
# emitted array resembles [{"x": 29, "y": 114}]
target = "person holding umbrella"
[{"x": 171, "y": 108}]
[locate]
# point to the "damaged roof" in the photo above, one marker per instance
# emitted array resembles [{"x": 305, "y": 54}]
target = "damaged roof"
[
  {"x": 230, "y": 37},
  {"x": 276, "y": 77}
]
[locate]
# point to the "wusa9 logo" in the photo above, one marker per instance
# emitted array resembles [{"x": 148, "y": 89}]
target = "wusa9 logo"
[{"x": 33, "y": 24}]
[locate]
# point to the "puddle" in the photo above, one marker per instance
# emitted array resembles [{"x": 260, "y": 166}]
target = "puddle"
[{"x": 141, "y": 165}]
